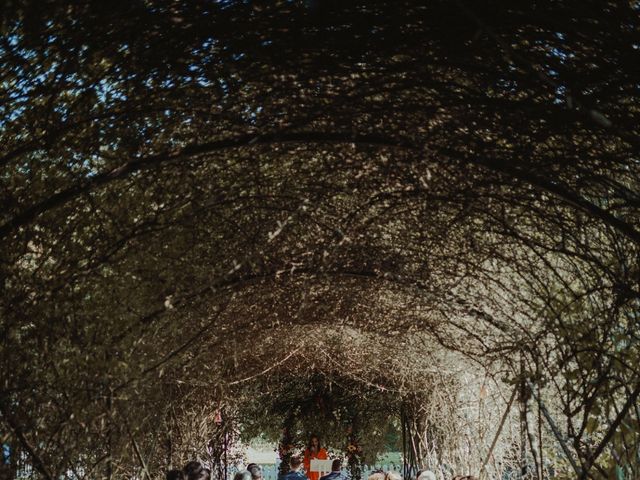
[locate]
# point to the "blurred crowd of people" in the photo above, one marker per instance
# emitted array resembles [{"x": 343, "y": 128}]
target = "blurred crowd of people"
[
  {"x": 193, "y": 470},
  {"x": 196, "y": 471},
  {"x": 300, "y": 469}
]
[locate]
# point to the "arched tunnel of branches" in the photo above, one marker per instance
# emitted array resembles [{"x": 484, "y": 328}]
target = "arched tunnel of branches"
[{"x": 430, "y": 207}]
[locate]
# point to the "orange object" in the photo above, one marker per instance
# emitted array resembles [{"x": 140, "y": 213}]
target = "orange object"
[{"x": 308, "y": 456}]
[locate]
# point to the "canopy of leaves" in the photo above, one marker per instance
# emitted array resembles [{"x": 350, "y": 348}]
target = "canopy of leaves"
[{"x": 189, "y": 185}]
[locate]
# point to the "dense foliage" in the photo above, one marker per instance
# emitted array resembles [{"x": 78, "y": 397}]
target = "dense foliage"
[{"x": 191, "y": 188}]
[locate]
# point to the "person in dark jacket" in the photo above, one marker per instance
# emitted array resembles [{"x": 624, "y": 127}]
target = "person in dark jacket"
[
  {"x": 194, "y": 470},
  {"x": 295, "y": 465},
  {"x": 336, "y": 471}
]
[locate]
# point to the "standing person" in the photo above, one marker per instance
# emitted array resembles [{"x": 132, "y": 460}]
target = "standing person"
[
  {"x": 336, "y": 471},
  {"x": 313, "y": 451},
  {"x": 295, "y": 465}
]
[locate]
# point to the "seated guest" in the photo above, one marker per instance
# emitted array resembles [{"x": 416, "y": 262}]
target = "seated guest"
[
  {"x": 175, "y": 475},
  {"x": 392, "y": 476},
  {"x": 295, "y": 465},
  {"x": 255, "y": 471},
  {"x": 194, "y": 470},
  {"x": 336, "y": 471},
  {"x": 243, "y": 475}
]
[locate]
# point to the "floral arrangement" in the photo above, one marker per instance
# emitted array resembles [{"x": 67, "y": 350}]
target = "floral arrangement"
[
  {"x": 354, "y": 459},
  {"x": 353, "y": 449},
  {"x": 286, "y": 447},
  {"x": 284, "y": 450}
]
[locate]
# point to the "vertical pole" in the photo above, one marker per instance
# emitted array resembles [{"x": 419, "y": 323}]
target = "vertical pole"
[
  {"x": 540, "y": 442},
  {"x": 498, "y": 432},
  {"x": 110, "y": 436},
  {"x": 403, "y": 422},
  {"x": 169, "y": 440},
  {"x": 523, "y": 418},
  {"x": 557, "y": 434},
  {"x": 225, "y": 426}
]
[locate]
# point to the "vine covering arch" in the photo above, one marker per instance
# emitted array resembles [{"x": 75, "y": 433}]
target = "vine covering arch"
[{"x": 188, "y": 185}]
